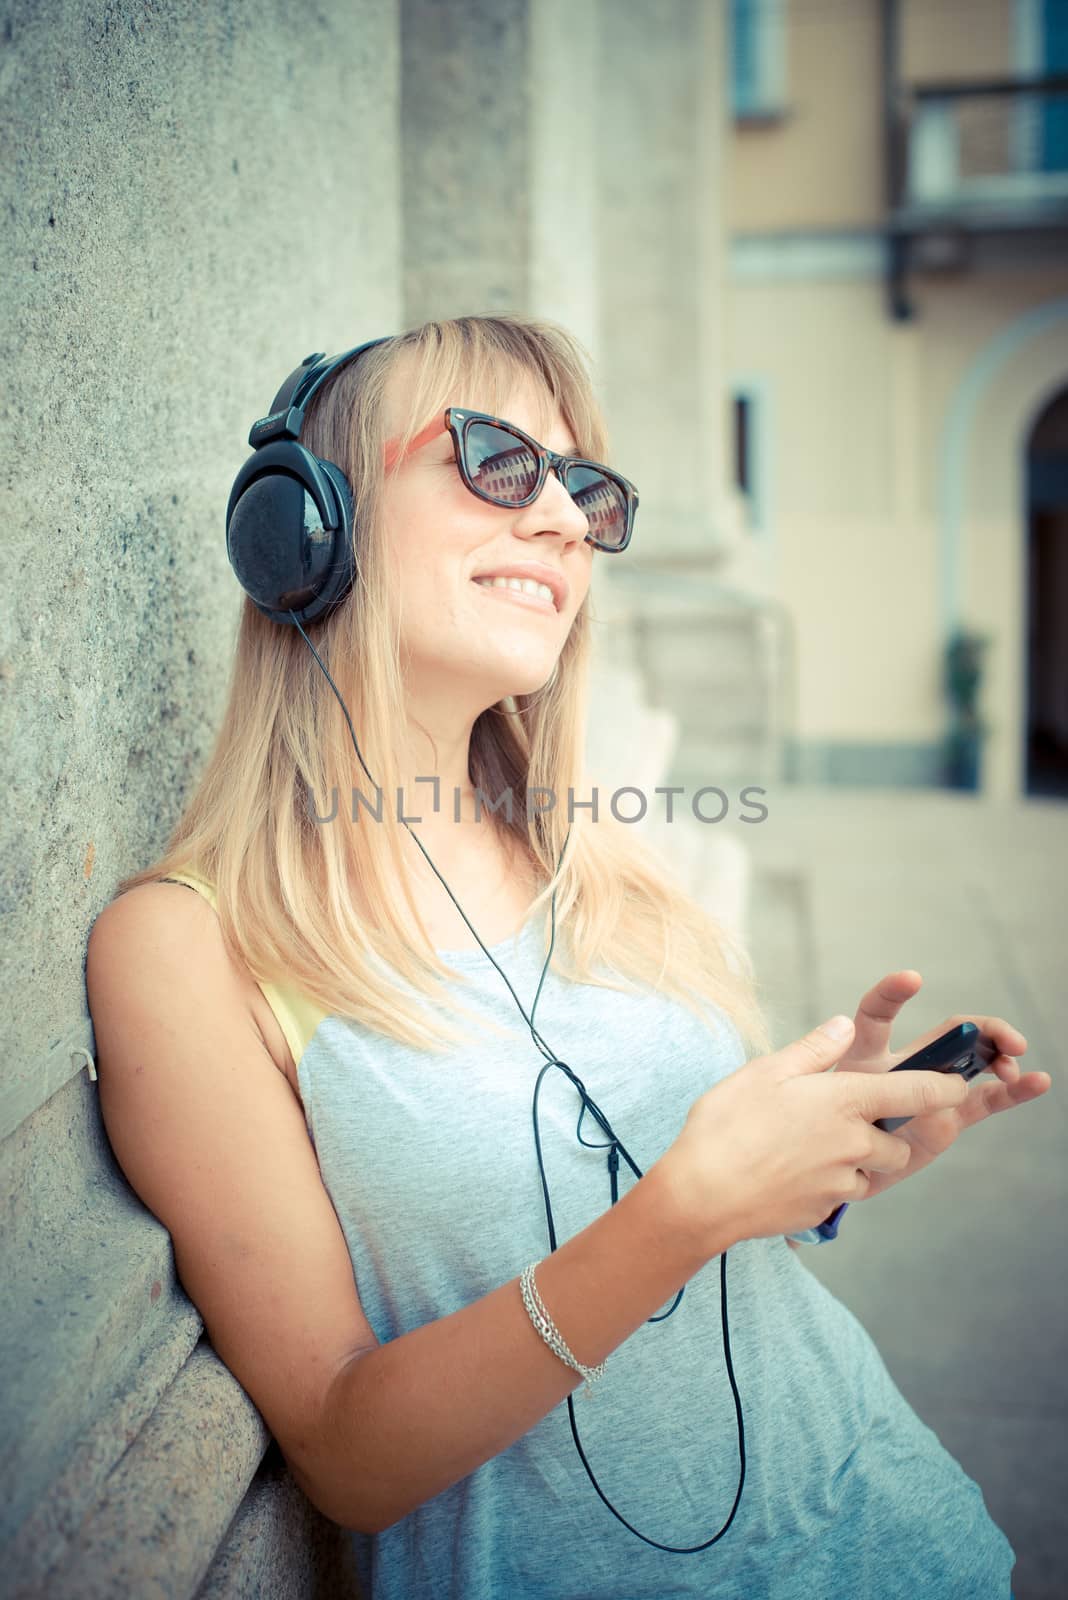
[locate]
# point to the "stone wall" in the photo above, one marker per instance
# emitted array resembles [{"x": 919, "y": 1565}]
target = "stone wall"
[{"x": 197, "y": 196}]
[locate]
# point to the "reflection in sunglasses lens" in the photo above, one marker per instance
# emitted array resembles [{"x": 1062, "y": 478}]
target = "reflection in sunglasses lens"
[
  {"x": 505, "y": 469},
  {"x": 500, "y": 464},
  {"x": 602, "y": 501}
]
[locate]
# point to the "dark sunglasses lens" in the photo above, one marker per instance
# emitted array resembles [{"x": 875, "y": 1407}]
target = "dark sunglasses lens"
[
  {"x": 604, "y": 503},
  {"x": 499, "y": 464}
]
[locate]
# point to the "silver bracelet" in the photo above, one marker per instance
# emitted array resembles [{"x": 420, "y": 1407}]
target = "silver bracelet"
[{"x": 550, "y": 1332}]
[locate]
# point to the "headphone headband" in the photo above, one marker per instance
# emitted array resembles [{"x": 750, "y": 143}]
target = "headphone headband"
[{"x": 286, "y": 416}]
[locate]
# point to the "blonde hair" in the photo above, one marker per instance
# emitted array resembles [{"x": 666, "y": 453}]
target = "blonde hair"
[{"x": 319, "y": 908}]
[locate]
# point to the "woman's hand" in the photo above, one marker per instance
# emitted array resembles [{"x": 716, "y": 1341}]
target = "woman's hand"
[
  {"x": 933, "y": 1132},
  {"x": 777, "y": 1144}
]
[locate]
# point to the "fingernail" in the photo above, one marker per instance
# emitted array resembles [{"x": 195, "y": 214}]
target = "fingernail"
[{"x": 837, "y": 1027}]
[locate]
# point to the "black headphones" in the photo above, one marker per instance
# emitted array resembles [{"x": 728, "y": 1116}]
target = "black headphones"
[{"x": 289, "y": 521}]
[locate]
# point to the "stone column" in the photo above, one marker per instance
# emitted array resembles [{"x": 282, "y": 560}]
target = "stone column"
[
  {"x": 465, "y": 156},
  {"x": 564, "y": 159},
  {"x": 661, "y": 82}
]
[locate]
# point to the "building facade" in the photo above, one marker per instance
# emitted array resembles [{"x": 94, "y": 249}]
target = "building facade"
[{"x": 897, "y": 336}]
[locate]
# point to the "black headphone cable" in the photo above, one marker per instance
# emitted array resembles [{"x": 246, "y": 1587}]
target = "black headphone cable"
[{"x": 615, "y": 1147}]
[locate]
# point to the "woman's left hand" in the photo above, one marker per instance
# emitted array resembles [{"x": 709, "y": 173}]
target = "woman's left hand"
[{"x": 933, "y": 1133}]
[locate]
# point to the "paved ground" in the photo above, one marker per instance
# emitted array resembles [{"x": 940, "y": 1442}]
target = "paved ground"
[{"x": 960, "y": 1273}]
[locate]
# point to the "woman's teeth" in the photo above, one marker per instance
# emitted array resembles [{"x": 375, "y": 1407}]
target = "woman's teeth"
[{"x": 525, "y": 585}]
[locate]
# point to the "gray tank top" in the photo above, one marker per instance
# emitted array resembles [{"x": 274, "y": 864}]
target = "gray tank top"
[{"x": 430, "y": 1164}]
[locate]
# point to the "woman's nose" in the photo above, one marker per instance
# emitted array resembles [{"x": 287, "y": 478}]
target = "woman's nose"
[{"x": 555, "y": 506}]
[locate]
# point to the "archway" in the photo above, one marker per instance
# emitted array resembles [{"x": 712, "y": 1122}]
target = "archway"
[{"x": 983, "y": 516}]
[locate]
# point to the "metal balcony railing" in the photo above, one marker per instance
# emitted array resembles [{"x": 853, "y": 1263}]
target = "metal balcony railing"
[
  {"x": 968, "y": 165},
  {"x": 988, "y": 154}
]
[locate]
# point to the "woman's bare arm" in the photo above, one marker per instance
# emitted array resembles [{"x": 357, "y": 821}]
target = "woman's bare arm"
[
  {"x": 413, "y": 1416},
  {"x": 214, "y": 1141}
]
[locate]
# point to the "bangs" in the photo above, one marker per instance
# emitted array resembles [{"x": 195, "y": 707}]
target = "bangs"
[{"x": 479, "y": 362}]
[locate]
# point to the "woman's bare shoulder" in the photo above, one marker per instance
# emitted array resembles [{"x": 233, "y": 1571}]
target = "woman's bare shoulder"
[{"x": 169, "y": 923}]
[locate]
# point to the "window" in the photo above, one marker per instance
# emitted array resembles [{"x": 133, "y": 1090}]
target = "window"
[
  {"x": 750, "y": 402},
  {"x": 1040, "y": 132},
  {"x": 743, "y": 444},
  {"x": 1054, "y": 151},
  {"x": 758, "y": 57}
]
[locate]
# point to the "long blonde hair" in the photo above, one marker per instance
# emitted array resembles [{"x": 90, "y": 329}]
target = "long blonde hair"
[{"x": 327, "y": 910}]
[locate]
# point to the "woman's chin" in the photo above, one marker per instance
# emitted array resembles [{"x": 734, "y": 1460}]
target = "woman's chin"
[
  {"x": 514, "y": 681},
  {"x": 528, "y": 688},
  {"x": 457, "y": 679}
]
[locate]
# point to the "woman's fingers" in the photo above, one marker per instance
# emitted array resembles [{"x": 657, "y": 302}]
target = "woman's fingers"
[
  {"x": 1009, "y": 1040},
  {"x": 876, "y": 1013},
  {"x": 1007, "y": 1068},
  {"x": 991, "y": 1096},
  {"x": 902, "y": 1094},
  {"x": 931, "y": 1134},
  {"x": 889, "y": 1153}
]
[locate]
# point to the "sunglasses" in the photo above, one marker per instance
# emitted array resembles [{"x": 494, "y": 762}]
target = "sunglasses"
[{"x": 505, "y": 466}]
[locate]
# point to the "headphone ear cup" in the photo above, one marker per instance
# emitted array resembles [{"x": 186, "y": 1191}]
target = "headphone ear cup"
[{"x": 289, "y": 532}]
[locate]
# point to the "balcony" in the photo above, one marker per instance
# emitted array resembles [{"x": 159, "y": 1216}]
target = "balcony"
[{"x": 972, "y": 168}]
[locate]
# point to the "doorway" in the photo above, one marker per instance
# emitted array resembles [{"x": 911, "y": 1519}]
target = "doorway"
[{"x": 1047, "y": 601}]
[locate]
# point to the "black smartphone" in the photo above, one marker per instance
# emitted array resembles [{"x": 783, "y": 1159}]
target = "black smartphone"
[{"x": 964, "y": 1049}]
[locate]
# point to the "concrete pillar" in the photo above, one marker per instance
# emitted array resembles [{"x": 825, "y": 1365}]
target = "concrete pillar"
[
  {"x": 564, "y": 146},
  {"x": 194, "y": 197},
  {"x": 565, "y": 159},
  {"x": 499, "y": 140},
  {"x": 660, "y": 75},
  {"x": 465, "y": 156}
]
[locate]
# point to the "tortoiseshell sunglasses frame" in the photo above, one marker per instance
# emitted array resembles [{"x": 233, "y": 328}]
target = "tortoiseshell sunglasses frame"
[{"x": 456, "y": 423}]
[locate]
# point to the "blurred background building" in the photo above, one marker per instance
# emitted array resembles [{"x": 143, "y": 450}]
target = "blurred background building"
[{"x": 897, "y": 325}]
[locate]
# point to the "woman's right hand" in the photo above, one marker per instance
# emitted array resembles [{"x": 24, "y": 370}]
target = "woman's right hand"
[{"x": 779, "y": 1143}]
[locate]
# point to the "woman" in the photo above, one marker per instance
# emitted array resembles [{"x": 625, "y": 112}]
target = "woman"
[{"x": 358, "y": 1226}]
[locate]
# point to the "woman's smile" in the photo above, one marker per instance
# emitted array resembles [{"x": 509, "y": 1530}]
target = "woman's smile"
[{"x": 536, "y": 596}]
